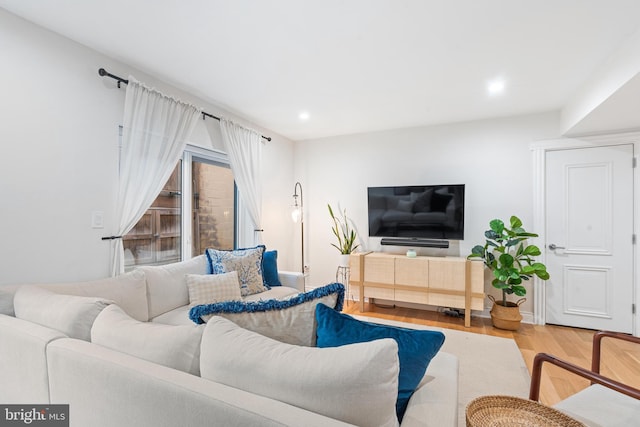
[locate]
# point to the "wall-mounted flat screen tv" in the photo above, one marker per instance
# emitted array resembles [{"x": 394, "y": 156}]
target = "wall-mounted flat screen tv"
[{"x": 417, "y": 211}]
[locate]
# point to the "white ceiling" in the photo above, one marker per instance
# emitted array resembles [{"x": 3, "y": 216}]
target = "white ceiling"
[{"x": 353, "y": 65}]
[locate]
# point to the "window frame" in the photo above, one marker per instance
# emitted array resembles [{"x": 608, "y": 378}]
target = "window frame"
[{"x": 206, "y": 155}]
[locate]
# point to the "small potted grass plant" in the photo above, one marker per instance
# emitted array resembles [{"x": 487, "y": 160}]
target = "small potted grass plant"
[{"x": 345, "y": 234}]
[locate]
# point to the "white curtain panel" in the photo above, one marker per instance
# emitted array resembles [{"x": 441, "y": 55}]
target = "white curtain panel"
[
  {"x": 155, "y": 131},
  {"x": 244, "y": 148}
]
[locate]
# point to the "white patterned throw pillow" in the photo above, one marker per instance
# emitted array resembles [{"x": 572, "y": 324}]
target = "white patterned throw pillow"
[
  {"x": 247, "y": 262},
  {"x": 291, "y": 321},
  {"x": 210, "y": 288}
]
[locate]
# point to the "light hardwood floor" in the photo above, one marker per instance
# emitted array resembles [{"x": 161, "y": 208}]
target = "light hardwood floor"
[{"x": 620, "y": 360}]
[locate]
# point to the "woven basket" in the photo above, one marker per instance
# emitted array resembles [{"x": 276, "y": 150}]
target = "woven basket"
[
  {"x": 508, "y": 411},
  {"x": 508, "y": 317}
]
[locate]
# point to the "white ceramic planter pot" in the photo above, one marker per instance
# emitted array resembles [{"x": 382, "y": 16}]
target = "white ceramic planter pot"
[{"x": 343, "y": 260}]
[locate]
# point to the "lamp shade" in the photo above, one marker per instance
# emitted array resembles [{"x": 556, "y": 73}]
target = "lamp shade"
[{"x": 296, "y": 214}]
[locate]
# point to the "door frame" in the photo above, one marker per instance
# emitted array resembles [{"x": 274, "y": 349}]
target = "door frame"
[{"x": 539, "y": 150}]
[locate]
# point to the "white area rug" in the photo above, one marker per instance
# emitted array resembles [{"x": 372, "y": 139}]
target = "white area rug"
[{"x": 488, "y": 365}]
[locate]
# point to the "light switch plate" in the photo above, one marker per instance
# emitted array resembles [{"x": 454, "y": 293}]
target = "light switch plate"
[{"x": 97, "y": 219}]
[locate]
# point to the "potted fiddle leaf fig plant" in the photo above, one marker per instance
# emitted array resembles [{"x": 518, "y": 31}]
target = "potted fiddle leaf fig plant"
[
  {"x": 512, "y": 262},
  {"x": 345, "y": 234}
]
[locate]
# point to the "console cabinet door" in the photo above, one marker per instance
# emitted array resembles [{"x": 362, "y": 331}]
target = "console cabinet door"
[
  {"x": 379, "y": 276},
  {"x": 447, "y": 276},
  {"x": 414, "y": 273},
  {"x": 379, "y": 268}
]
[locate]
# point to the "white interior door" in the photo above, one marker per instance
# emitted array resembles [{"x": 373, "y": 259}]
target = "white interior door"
[{"x": 589, "y": 237}]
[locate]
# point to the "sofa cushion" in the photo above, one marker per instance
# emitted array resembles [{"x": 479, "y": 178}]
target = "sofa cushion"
[
  {"x": 70, "y": 314},
  {"x": 291, "y": 320},
  {"x": 176, "y": 347},
  {"x": 416, "y": 348},
  {"x": 128, "y": 290},
  {"x": 180, "y": 315},
  {"x": 435, "y": 401},
  {"x": 597, "y": 405},
  {"x": 167, "y": 285},
  {"x": 354, "y": 383},
  {"x": 210, "y": 288},
  {"x": 177, "y": 316},
  {"x": 270, "y": 269},
  {"x": 247, "y": 262},
  {"x": 277, "y": 292}
]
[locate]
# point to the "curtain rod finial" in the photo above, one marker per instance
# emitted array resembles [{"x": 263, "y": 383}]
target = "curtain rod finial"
[{"x": 102, "y": 72}]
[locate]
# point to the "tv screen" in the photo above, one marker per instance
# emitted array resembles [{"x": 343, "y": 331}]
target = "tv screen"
[{"x": 417, "y": 211}]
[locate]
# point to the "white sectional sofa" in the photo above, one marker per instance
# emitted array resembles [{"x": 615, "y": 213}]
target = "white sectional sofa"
[{"x": 50, "y": 363}]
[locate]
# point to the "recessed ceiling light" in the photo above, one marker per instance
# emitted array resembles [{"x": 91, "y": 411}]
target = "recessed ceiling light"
[
  {"x": 496, "y": 87},
  {"x": 303, "y": 115}
]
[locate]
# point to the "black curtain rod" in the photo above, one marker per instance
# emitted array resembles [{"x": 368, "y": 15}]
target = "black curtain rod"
[{"x": 120, "y": 80}]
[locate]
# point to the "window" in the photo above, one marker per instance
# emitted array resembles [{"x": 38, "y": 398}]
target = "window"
[
  {"x": 201, "y": 184},
  {"x": 213, "y": 206},
  {"x": 155, "y": 239}
]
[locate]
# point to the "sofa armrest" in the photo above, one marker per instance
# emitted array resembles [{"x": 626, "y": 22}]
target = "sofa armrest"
[
  {"x": 536, "y": 376},
  {"x": 292, "y": 279},
  {"x": 597, "y": 345},
  {"x": 6, "y": 299}
]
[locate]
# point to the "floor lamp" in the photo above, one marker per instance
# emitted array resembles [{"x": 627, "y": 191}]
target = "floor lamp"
[{"x": 297, "y": 216}]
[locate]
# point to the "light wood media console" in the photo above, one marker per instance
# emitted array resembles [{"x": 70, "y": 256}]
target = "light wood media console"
[{"x": 439, "y": 281}]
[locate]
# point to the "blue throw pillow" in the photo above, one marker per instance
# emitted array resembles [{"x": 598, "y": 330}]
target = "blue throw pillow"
[
  {"x": 416, "y": 348},
  {"x": 270, "y": 269}
]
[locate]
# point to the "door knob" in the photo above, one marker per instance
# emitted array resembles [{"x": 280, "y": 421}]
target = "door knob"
[{"x": 553, "y": 247}]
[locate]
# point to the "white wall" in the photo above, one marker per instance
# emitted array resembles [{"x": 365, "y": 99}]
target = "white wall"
[
  {"x": 606, "y": 82},
  {"x": 491, "y": 157},
  {"x": 59, "y": 136}
]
